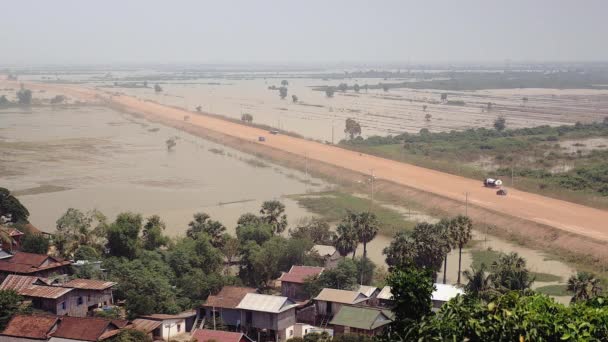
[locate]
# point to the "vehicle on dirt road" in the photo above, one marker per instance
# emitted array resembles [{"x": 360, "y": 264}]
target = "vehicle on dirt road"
[
  {"x": 274, "y": 131},
  {"x": 261, "y": 139},
  {"x": 502, "y": 192},
  {"x": 492, "y": 183}
]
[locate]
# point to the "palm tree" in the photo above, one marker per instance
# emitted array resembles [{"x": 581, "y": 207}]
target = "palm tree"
[
  {"x": 367, "y": 226},
  {"x": 584, "y": 286},
  {"x": 460, "y": 234},
  {"x": 509, "y": 273},
  {"x": 273, "y": 213},
  {"x": 444, "y": 225},
  {"x": 346, "y": 239},
  {"x": 479, "y": 282}
]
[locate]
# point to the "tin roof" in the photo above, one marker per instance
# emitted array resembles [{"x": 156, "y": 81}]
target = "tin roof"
[
  {"x": 266, "y": 303},
  {"x": 340, "y": 296},
  {"x": 385, "y": 293},
  {"x": 299, "y": 274},
  {"x": 146, "y": 325},
  {"x": 445, "y": 292},
  {"x": 368, "y": 291},
  {"x": 19, "y": 282},
  {"x": 228, "y": 297},
  {"x": 366, "y": 318},
  {"x": 83, "y": 328},
  {"x": 38, "y": 291},
  {"x": 89, "y": 284},
  {"x": 205, "y": 335},
  {"x": 33, "y": 327},
  {"x": 25, "y": 263},
  {"x": 324, "y": 250},
  {"x": 161, "y": 317}
]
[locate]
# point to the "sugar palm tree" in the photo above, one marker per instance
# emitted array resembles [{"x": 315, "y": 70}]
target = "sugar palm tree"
[
  {"x": 479, "y": 282},
  {"x": 346, "y": 239},
  {"x": 509, "y": 273},
  {"x": 584, "y": 286},
  {"x": 460, "y": 234},
  {"x": 366, "y": 226},
  {"x": 444, "y": 225}
]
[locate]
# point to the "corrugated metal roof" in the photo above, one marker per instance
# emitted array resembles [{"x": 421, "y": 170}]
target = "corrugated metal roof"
[
  {"x": 83, "y": 328},
  {"x": 368, "y": 291},
  {"x": 445, "y": 292},
  {"x": 32, "y": 327},
  {"x": 146, "y": 325},
  {"x": 228, "y": 297},
  {"x": 341, "y": 296},
  {"x": 385, "y": 293},
  {"x": 205, "y": 335},
  {"x": 324, "y": 250},
  {"x": 25, "y": 263},
  {"x": 89, "y": 284},
  {"x": 18, "y": 282},
  {"x": 52, "y": 292},
  {"x": 266, "y": 303},
  {"x": 299, "y": 274},
  {"x": 366, "y": 318}
]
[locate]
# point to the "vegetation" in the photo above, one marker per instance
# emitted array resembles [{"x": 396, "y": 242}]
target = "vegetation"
[
  {"x": 9, "y": 305},
  {"x": 584, "y": 286},
  {"x": 500, "y": 123},
  {"x": 329, "y": 91},
  {"x": 24, "y": 96},
  {"x": 352, "y": 128},
  {"x": 11, "y": 210},
  {"x": 157, "y": 88},
  {"x": 283, "y": 92},
  {"x": 130, "y": 335},
  {"x": 247, "y": 118},
  {"x": 35, "y": 243}
]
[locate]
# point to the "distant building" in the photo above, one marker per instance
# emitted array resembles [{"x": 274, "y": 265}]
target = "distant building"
[
  {"x": 223, "y": 306},
  {"x": 442, "y": 294},
  {"x": 170, "y": 325},
  {"x": 292, "y": 282},
  {"x": 329, "y": 301},
  {"x": 361, "y": 320},
  {"x": 76, "y": 298},
  {"x": 22, "y": 328},
  {"x": 38, "y": 265},
  {"x": 205, "y": 335},
  {"x": 329, "y": 254},
  {"x": 368, "y": 291},
  {"x": 268, "y": 318}
]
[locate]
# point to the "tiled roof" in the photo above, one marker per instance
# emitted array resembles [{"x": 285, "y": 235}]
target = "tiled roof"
[
  {"x": 32, "y": 327},
  {"x": 299, "y": 274},
  {"x": 83, "y": 328},
  {"x": 366, "y": 318},
  {"x": 266, "y": 303},
  {"x": 19, "y": 282},
  {"x": 38, "y": 291},
  {"x": 229, "y": 297},
  {"x": 89, "y": 284},
  {"x": 340, "y": 296},
  {"x": 205, "y": 335},
  {"x": 146, "y": 325}
]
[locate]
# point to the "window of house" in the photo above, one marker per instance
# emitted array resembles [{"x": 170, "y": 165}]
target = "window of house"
[
  {"x": 80, "y": 300},
  {"x": 179, "y": 327},
  {"x": 248, "y": 317},
  {"x": 63, "y": 305}
]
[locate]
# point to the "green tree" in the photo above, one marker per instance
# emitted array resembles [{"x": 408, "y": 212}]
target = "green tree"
[
  {"x": 444, "y": 97},
  {"x": 284, "y": 83},
  {"x": 584, "y": 286},
  {"x": 257, "y": 233},
  {"x": 365, "y": 270},
  {"x": 75, "y": 228},
  {"x": 157, "y": 88},
  {"x": 35, "y": 243},
  {"x": 189, "y": 254},
  {"x": 9, "y": 305},
  {"x": 4, "y": 101},
  {"x": 85, "y": 252},
  {"x": 352, "y": 128},
  {"x": 123, "y": 235},
  {"x": 400, "y": 252},
  {"x": 202, "y": 224},
  {"x": 347, "y": 237},
  {"x": 343, "y": 87},
  {"x": 230, "y": 250},
  {"x": 329, "y": 91},
  {"x": 247, "y": 118},
  {"x": 314, "y": 229},
  {"x": 412, "y": 289},
  {"x": 356, "y": 88},
  {"x": 11, "y": 209},
  {"x": 343, "y": 277},
  {"x": 509, "y": 273},
  {"x": 448, "y": 244},
  {"x": 24, "y": 96},
  {"x": 294, "y": 98},
  {"x": 152, "y": 233},
  {"x": 479, "y": 283},
  {"x": 460, "y": 232},
  {"x": 500, "y": 123},
  {"x": 366, "y": 225},
  {"x": 283, "y": 92},
  {"x": 430, "y": 244},
  {"x": 273, "y": 213},
  {"x": 130, "y": 335}
]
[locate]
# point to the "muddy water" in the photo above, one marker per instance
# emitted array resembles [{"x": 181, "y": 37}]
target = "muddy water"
[{"x": 113, "y": 162}]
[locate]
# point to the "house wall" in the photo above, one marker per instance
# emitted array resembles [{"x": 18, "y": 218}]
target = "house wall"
[
  {"x": 322, "y": 307},
  {"x": 293, "y": 290},
  {"x": 230, "y": 317},
  {"x": 260, "y": 320},
  {"x": 17, "y": 339},
  {"x": 169, "y": 328},
  {"x": 286, "y": 319}
]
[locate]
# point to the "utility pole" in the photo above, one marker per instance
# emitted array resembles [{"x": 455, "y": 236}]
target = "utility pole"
[
  {"x": 466, "y": 204},
  {"x": 306, "y": 170},
  {"x": 372, "y": 196},
  {"x": 332, "y": 132},
  {"x": 512, "y": 175}
]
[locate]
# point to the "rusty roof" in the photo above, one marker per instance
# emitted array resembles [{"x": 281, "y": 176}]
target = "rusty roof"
[
  {"x": 83, "y": 328},
  {"x": 39, "y": 291},
  {"x": 32, "y": 327},
  {"x": 205, "y": 335},
  {"x": 146, "y": 325},
  {"x": 340, "y": 296},
  {"x": 229, "y": 297},
  {"x": 22, "y": 262},
  {"x": 161, "y": 317},
  {"x": 299, "y": 274},
  {"x": 19, "y": 282},
  {"x": 89, "y": 284}
]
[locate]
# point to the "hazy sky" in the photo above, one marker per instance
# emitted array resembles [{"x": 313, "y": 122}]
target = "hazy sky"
[{"x": 309, "y": 31}]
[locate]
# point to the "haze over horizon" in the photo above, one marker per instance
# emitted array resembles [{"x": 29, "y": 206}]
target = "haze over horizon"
[{"x": 113, "y": 32}]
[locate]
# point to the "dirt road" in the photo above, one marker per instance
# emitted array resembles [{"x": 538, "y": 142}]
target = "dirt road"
[{"x": 566, "y": 216}]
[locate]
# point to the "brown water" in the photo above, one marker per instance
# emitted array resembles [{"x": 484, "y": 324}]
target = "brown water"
[{"x": 112, "y": 162}]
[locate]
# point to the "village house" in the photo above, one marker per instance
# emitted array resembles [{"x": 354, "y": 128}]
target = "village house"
[
  {"x": 292, "y": 282},
  {"x": 329, "y": 301},
  {"x": 329, "y": 254},
  {"x": 76, "y": 298},
  {"x": 205, "y": 335},
  {"x": 38, "y": 265},
  {"x": 361, "y": 320},
  {"x": 268, "y": 318},
  {"x": 22, "y": 328},
  {"x": 222, "y": 307},
  {"x": 170, "y": 325},
  {"x": 150, "y": 327},
  {"x": 442, "y": 294}
]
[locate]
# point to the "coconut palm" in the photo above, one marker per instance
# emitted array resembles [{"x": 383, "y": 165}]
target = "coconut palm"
[
  {"x": 479, "y": 282},
  {"x": 584, "y": 286},
  {"x": 509, "y": 273},
  {"x": 460, "y": 235}
]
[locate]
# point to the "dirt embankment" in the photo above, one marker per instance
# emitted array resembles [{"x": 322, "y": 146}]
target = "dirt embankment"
[{"x": 534, "y": 220}]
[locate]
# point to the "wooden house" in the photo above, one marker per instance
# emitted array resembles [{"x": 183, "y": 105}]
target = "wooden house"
[
  {"x": 361, "y": 320},
  {"x": 268, "y": 318},
  {"x": 329, "y": 301},
  {"x": 292, "y": 282},
  {"x": 29, "y": 264},
  {"x": 170, "y": 325},
  {"x": 222, "y": 307}
]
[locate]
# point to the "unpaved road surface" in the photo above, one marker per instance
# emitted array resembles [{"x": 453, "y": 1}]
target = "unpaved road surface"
[{"x": 566, "y": 216}]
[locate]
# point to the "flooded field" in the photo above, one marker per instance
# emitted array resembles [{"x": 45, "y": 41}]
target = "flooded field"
[{"x": 93, "y": 157}]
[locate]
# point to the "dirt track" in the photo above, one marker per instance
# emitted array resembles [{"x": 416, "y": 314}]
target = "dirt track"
[{"x": 565, "y": 216}]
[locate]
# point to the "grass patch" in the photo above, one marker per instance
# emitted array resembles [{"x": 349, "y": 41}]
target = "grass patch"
[
  {"x": 217, "y": 151},
  {"x": 553, "y": 290},
  {"x": 545, "y": 277},
  {"x": 255, "y": 162},
  {"x": 334, "y": 205},
  {"x": 486, "y": 257},
  {"x": 43, "y": 189}
]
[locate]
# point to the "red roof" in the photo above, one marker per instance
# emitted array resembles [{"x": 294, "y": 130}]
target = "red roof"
[
  {"x": 51, "y": 292},
  {"x": 83, "y": 328},
  {"x": 25, "y": 263},
  {"x": 298, "y": 274},
  {"x": 19, "y": 282},
  {"x": 229, "y": 297},
  {"x": 146, "y": 325},
  {"x": 32, "y": 327},
  {"x": 204, "y": 335},
  {"x": 89, "y": 284}
]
